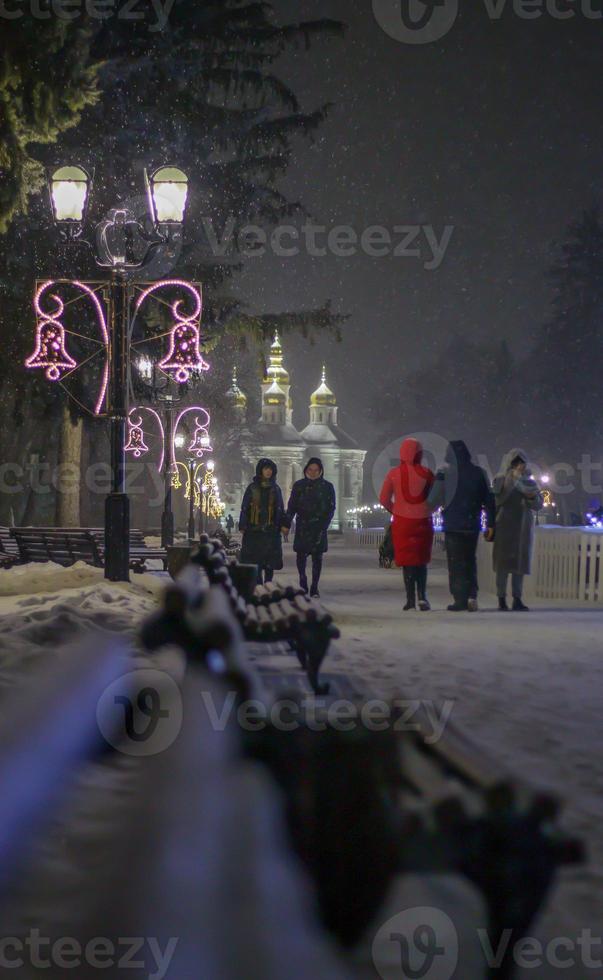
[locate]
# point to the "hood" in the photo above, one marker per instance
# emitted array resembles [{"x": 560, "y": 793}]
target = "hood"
[
  {"x": 266, "y": 462},
  {"x": 457, "y": 453},
  {"x": 315, "y": 459},
  {"x": 508, "y": 458},
  {"x": 411, "y": 451}
]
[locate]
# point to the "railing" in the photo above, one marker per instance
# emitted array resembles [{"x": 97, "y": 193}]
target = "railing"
[
  {"x": 371, "y": 537},
  {"x": 567, "y": 564}
]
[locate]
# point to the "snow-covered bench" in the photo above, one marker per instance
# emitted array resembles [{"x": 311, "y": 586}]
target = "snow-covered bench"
[
  {"x": 418, "y": 806},
  {"x": 64, "y": 546},
  {"x": 273, "y": 613},
  {"x": 182, "y": 843}
]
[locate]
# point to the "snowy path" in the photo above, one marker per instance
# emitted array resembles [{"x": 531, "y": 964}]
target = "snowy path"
[{"x": 526, "y": 686}]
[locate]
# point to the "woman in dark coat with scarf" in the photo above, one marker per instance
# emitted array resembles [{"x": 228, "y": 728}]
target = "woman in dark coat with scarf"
[
  {"x": 517, "y": 497},
  {"x": 404, "y": 494},
  {"x": 262, "y": 518},
  {"x": 312, "y": 504}
]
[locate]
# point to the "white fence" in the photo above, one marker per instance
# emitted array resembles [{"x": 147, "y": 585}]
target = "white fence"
[
  {"x": 567, "y": 564},
  {"x": 371, "y": 537}
]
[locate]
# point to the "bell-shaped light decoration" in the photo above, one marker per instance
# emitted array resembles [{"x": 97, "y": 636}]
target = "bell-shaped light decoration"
[
  {"x": 136, "y": 443},
  {"x": 69, "y": 193},
  {"x": 201, "y": 443},
  {"x": 184, "y": 357},
  {"x": 50, "y": 352},
  {"x": 168, "y": 194}
]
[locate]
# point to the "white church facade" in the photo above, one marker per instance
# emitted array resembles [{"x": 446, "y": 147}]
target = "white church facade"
[{"x": 275, "y": 436}]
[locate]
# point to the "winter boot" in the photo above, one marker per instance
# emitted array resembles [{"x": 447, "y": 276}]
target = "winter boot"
[
  {"x": 409, "y": 582},
  {"x": 421, "y": 578},
  {"x": 502, "y": 604},
  {"x": 314, "y": 593},
  {"x": 518, "y": 605},
  {"x": 457, "y": 607},
  {"x": 472, "y": 605}
]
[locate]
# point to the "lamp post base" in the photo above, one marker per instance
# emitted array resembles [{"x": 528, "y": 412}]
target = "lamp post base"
[
  {"x": 167, "y": 529},
  {"x": 117, "y": 538}
]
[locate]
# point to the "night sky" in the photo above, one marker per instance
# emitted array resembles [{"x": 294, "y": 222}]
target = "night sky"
[{"x": 495, "y": 130}]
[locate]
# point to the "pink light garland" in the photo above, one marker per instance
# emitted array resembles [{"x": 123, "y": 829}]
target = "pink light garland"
[
  {"x": 184, "y": 355},
  {"x": 50, "y": 352}
]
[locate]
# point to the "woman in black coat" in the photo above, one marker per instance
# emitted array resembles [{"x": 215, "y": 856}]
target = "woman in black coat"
[
  {"x": 312, "y": 504},
  {"x": 262, "y": 518}
]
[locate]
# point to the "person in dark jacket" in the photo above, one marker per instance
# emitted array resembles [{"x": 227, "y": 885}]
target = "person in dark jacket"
[
  {"x": 518, "y": 498},
  {"x": 312, "y": 504},
  {"x": 461, "y": 488},
  {"x": 261, "y": 521}
]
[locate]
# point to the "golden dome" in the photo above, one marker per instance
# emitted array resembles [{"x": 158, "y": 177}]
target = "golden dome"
[
  {"x": 234, "y": 393},
  {"x": 275, "y": 395},
  {"x": 276, "y": 371},
  {"x": 323, "y": 394}
]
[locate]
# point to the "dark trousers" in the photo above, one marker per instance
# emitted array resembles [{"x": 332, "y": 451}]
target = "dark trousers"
[
  {"x": 461, "y": 547},
  {"x": 316, "y": 568},
  {"x": 265, "y": 574}
]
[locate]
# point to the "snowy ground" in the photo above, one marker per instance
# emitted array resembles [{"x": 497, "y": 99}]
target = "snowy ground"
[{"x": 526, "y": 686}]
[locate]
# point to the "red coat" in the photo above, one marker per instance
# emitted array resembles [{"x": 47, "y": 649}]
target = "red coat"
[{"x": 404, "y": 494}]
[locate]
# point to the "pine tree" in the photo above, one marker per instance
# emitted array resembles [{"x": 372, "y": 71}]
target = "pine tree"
[
  {"x": 564, "y": 372},
  {"x": 47, "y": 79}
]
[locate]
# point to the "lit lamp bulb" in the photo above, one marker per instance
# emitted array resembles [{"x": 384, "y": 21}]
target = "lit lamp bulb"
[
  {"x": 145, "y": 366},
  {"x": 179, "y": 441},
  {"x": 69, "y": 193},
  {"x": 168, "y": 193},
  {"x": 211, "y": 465}
]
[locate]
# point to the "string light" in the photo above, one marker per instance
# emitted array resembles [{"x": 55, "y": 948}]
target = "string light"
[
  {"x": 184, "y": 356},
  {"x": 135, "y": 444},
  {"x": 51, "y": 353}
]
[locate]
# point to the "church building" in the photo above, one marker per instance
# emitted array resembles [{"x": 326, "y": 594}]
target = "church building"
[{"x": 275, "y": 436}]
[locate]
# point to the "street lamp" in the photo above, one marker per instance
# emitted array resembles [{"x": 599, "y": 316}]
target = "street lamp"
[
  {"x": 167, "y": 189},
  {"x": 158, "y": 383},
  {"x": 116, "y": 235},
  {"x": 69, "y": 196}
]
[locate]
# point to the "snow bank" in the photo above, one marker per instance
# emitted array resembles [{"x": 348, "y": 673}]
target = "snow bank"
[
  {"x": 43, "y": 607},
  {"x": 49, "y": 577}
]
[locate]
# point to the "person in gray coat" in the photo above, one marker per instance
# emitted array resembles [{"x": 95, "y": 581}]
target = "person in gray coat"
[{"x": 517, "y": 498}]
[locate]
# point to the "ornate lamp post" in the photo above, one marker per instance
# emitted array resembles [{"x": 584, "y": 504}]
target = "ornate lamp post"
[{"x": 122, "y": 245}]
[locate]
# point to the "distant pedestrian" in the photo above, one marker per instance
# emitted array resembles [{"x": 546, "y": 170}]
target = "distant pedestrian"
[
  {"x": 462, "y": 489},
  {"x": 230, "y": 523},
  {"x": 262, "y": 520},
  {"x": 517, "y": 498},
  {"x": 312, "y": 503},
  {"x": 404, "y": 494}
]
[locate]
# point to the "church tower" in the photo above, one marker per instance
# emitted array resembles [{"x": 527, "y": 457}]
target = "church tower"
[
  {"x": 237, "y": 398},
  {"x": 323, "y": 404},
  {"x": 276, "y": 388}
]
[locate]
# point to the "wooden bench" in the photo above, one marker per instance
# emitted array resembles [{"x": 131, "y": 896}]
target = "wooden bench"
[
  {"x": 139, "y": 553},
  {"x": 275, "y": 613},
  {"x": 193, "y": 853},
  {"x": 419, "y": 806},
  {"x": 62, "y": 546}
]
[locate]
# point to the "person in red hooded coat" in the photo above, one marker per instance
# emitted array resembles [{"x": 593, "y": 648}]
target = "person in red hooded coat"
[{"x": 404, "y": 494}]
